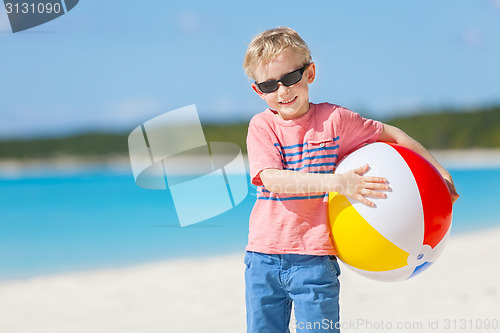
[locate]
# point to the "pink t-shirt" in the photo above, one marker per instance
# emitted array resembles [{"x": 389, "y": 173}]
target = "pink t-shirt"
[{"x": 314, "y": 142}]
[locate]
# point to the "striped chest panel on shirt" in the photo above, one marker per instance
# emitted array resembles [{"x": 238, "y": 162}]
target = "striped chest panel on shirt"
[
  {"x": 313, "y": 156},
  {"x": 319, "y": 156}
]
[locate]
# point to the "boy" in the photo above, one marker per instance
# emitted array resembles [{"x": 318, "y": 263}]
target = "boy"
[{"x": 293, "y": 147}]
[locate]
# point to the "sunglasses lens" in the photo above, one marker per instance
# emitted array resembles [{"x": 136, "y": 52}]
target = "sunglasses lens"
[
  {"x": 268, "y": 86},
  {"x": 291, "y": 78}
]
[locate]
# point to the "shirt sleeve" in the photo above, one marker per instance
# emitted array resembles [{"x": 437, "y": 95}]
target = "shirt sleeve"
[
  {"x": 263, "y": 151},
  {"x": 357, "y": 131}
]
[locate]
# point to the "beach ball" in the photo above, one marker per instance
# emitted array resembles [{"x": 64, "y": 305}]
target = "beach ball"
[{"x": 407, "y": 231}]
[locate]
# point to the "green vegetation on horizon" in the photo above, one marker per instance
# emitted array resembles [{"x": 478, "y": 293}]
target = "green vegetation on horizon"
[
  {"x": 435, "y": 130},
  {"x": 454, "y": 130}
]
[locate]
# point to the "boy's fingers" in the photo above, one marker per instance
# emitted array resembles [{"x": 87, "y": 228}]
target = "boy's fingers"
[
  {"x": 366, "y": 201},
  {"x": 377, "y": 194},
  {"x": 453, "y": 191},
  {"x": 377, "y": 183},
  {"x": 376, "y": 179},
  {"x": 362, "y": 169}
]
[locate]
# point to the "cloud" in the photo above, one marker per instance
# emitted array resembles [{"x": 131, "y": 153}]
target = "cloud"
[
  {"x": 222, "y": 107},
  {"x": 189, "y": 22},
  {"x": 495, "y": 4},
  {"x": 473, "y": 37},
  {"x": 194, "y": 23},
  {"x": 402, "y": 105},
  {"x": 132, "y": 109},
  {"x": 30, "y": 120}
]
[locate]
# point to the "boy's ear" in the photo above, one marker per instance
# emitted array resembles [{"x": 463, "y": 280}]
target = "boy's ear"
[
  {"x": 311, "y": 72},
  {"x": 260, "y": 93}
]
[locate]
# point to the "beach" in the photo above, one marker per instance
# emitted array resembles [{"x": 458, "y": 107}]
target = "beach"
[
  {"x": 451, "y": 158},
  {"x": 459, "y": 293}
]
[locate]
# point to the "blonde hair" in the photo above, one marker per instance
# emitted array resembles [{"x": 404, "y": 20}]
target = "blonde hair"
[{"x": 269, "y": 44}]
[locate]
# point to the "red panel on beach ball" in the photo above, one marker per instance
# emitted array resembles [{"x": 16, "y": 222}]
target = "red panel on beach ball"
[{"x": 434, "y": 193}]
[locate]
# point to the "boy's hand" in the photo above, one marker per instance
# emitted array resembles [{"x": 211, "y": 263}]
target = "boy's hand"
[
  {"x": 451, "y": 188},
  {"x": 395, "y": 135},
  {"x": 355, "y": 186}
]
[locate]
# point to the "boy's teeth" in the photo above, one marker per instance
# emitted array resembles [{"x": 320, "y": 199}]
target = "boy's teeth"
[{"x": 284, "y": 102}]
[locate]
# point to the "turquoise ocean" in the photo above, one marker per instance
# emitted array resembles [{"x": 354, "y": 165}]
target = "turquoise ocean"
[{"x": 56, "y": 222}]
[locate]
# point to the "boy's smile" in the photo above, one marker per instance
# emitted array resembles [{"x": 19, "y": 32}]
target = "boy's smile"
[{"x": 290, "y": 102}]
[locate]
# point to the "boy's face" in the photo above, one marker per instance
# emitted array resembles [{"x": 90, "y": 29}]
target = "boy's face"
[{"x": 290, "y": 102}]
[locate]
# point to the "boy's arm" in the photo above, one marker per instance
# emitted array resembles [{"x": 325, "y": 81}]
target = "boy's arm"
[
  {"x": 395, "y": 135},
  {"x": 351, "y": 183}
]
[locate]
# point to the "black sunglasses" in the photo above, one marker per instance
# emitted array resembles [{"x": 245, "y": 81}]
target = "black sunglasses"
[{"x": 288, "y": 80}]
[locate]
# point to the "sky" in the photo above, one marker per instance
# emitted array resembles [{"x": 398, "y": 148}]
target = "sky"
[{"x": 111, "y": 65}]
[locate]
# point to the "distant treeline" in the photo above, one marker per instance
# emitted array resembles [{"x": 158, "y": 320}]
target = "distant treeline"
[
  {"x": 454, "y": 130},
  {"x": 102, "y": 144},
  {"x": 435, "y": 130}
]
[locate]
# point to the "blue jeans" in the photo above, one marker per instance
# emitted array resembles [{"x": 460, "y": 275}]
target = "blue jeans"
[{"x": 274, "y": 281}]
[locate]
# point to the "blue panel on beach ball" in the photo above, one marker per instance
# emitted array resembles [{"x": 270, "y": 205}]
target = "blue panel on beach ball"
[{"x": 421, "y": 268}]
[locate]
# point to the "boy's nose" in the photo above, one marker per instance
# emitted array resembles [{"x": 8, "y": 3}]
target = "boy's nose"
[{"x": 282, "y": 89}]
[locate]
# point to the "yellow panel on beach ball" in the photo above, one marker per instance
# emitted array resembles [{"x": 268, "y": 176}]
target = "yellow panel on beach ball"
[{"x": 358, "y": 244}]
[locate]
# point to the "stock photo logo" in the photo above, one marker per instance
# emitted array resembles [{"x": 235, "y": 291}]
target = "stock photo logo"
[
  {"x": 26, "y": 14},
  {"x": 205, "y": 179}
]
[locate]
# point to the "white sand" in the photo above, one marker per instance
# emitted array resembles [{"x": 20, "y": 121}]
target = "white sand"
[
  {"x": 468, "y": 158},
  {"x": 207, "y": 295},
  {"x": 462, "y": 286}
]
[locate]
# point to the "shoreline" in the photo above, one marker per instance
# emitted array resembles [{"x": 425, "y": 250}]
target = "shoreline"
[
  {"x": 207, "y": 295},
  {"x": 148, "y": 262},
  {"x": 12, "y": 168},
  {"x": 468, "y": 158},
  {"x": 453, "y": 159}
]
